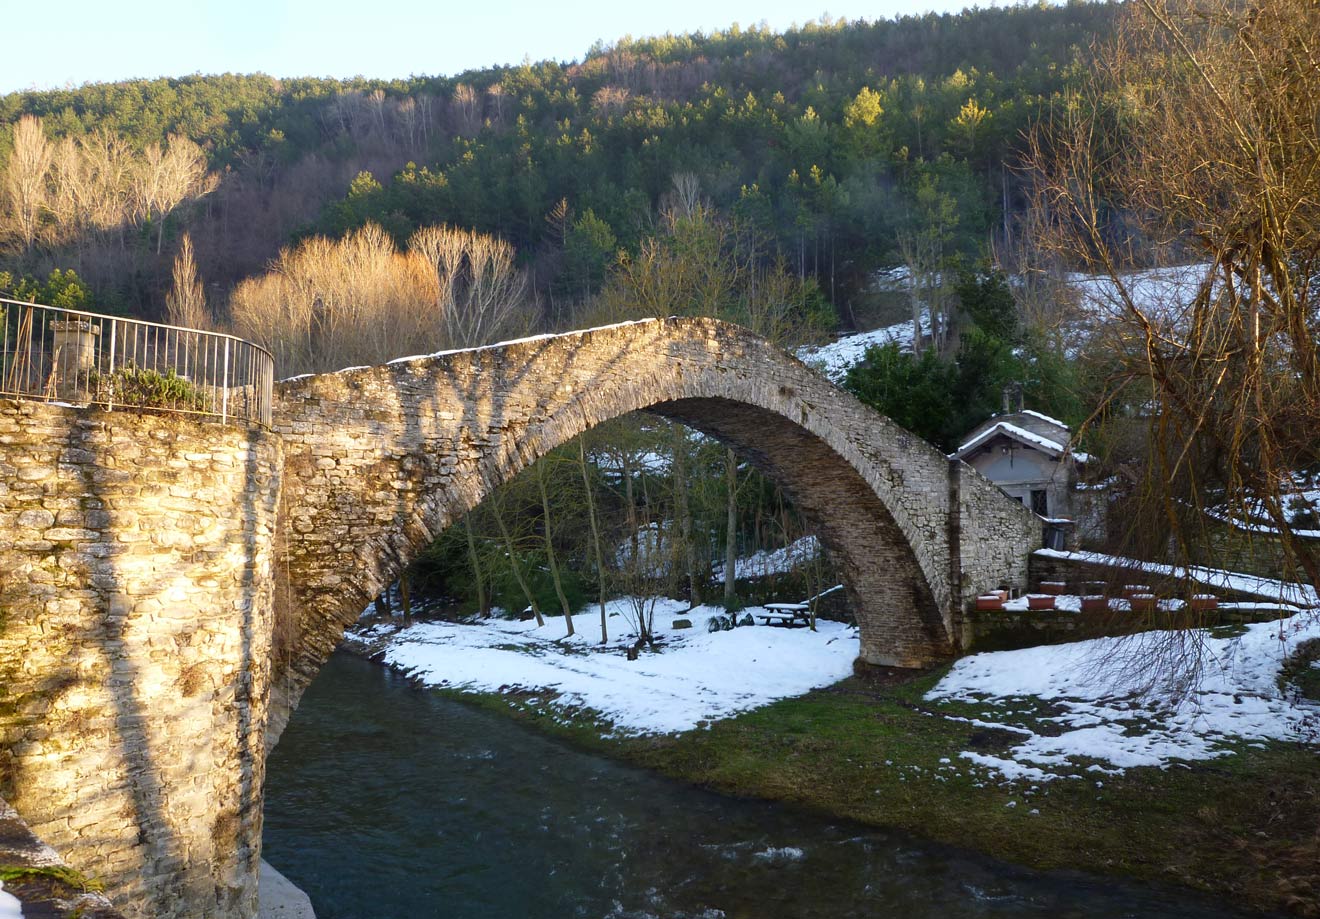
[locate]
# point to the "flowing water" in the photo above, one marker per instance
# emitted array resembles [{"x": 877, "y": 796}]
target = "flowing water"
[{"x": 384, "y": 801}]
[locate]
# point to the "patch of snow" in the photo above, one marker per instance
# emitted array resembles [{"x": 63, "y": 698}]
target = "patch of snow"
[
  {"x": 530, "y": 339},
  {"x": 835, "y": 359},
  {"x": 1112, "y": 715},
  {"x": 766, "y": 562},
  {"x": 1043, "y": 417},
  {"x": 1163, "y": 294},
  {"x": 697, "y": 676},
  {"x": 1063, "y": 603},
  {"x": 653, "y": 462},
  {"x": 1298, "y": 595},
  {"x": 898, "y": 278},
  {"x": 652, "y": 543},
  {"x": 10, "y": 908},
  {"x": 1245, "y": 526}
]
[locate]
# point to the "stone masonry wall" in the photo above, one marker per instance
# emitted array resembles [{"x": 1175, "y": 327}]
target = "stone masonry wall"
[
  {"x": 135, "y": 622},
  {"x": 380, "y": 460},
  {"x": 41, "y": 894}
]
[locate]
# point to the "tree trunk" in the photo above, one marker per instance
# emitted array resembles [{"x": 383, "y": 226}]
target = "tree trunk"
[
  {"x": 550, "y": 547},
  {"x": 595, "y": 538},
  {"x": 483, "y": 604},
  {"x": 916, "y": 311},
  {"x": 731, "y": 533},
  {"x": 629, "y": 503},
  {"x": 513, "y": 564},
  {"x": 683, "y": 507},
  {"x": 405, "y": 596}
]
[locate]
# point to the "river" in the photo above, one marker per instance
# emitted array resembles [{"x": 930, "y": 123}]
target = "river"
[{"x": 384, "y": 801}]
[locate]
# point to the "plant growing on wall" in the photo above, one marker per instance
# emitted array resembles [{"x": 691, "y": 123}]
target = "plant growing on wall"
[{"x": 141, "y": 388}]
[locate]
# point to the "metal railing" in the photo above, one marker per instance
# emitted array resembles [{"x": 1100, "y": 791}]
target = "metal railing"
[{"x": 60, "y": 355}]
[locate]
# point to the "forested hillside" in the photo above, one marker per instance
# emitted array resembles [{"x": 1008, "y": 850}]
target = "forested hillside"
[{"x": 841, "y": 146}]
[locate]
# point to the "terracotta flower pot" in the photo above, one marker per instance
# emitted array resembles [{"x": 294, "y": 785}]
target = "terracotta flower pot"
[
  {"x": 1095, "y": 604},
  {"x": 1054, "y": 588},
  {"x": 1144, "y": 603},
  {"x": 989, "y": 602},
  {"x": 1203, "y": 602},
  {"x": 1040, "y": 601}
]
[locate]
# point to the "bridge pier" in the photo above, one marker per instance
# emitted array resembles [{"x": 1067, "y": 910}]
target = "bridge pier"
[{"x": 135, "y": 630}]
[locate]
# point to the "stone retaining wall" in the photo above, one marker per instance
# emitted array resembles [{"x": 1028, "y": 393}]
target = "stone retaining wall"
[{"x": 1074, "y": 570}]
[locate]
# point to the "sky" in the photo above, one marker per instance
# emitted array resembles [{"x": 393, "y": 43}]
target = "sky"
[{"x": 68, "y": 42}]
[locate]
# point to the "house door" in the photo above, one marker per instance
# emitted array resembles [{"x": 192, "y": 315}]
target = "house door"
[{"x": 1039, "y": 504}]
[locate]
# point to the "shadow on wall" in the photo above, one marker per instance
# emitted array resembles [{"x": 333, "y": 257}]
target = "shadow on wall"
[{"x": 137, "y": 749}]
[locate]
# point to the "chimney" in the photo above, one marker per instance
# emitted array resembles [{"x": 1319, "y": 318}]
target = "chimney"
[{"x": 1013, "y": 398}]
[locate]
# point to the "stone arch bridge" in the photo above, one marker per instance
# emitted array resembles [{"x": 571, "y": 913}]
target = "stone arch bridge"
[
  {"x": 170, "y": 588},
  {"x": 380, "y": 460}
]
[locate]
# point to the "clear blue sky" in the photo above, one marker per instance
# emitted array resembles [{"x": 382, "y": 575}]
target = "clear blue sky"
[{"x": 51, "y": 43}]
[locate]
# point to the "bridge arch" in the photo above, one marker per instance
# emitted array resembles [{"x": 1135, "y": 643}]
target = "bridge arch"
[{"x": 380, "y": 460}]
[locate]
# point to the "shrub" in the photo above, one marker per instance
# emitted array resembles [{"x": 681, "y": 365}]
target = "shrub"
[{"x": 136, "y": 387}]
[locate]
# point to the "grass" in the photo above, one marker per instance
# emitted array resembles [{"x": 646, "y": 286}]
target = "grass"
[
  {"x": 40, "y": 884},
  {"x": 1246, "y": 826},
  {"x": 1301, "y": 671}
]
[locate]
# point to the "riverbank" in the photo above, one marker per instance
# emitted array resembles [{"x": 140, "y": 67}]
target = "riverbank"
[{"x": 1239, "y": 817}]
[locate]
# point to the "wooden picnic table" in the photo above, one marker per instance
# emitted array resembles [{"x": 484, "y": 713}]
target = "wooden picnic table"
[{"x": 787, "y": 614}]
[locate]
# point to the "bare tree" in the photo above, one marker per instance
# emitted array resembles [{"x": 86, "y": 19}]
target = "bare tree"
[
  {"x": 547, "y": 532},
  {"x": 479, "y": 290},
  {"x": 108, "y": 168},
  {"x": 597, "y": 556},
  {"x": 497, "y": 94},
  {"x": 467, "y": 103},
  {"x": 166, "y": 177},
  {"x": 331, "y": 303},
  {"x": 1196, "y": 143},
  {"x": 678, "y": 469},
  {"x": 731, "y": 530},
  {"x": 185, "y": 304},
  {"x": 923, "y": 244},
  {"x": 26, "y": 190}
]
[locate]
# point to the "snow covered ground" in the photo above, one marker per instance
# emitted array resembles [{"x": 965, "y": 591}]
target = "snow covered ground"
[
  {"x": 1104, "y": 715},
  {"x": 1162, "y": 292},
  {"x": 698, "y": 677},
  {"x": 766, "y": 562},
  {"x": 10, "y": 908},
  {"x": 1289, "y": 592},
  {"x": 1081, "y": 710},
  {"x": 834, "y": 359}
]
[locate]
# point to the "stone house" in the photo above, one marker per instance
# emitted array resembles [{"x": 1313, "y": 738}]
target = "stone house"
[{"x": 1027, "y": 455}]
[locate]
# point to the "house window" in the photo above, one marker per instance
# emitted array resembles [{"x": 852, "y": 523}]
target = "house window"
[{"x": 1039, "y": 505}]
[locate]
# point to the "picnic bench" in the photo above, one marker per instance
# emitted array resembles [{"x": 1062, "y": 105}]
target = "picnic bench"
[{"x": 785, "y": 614}]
